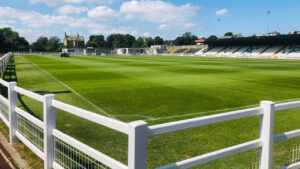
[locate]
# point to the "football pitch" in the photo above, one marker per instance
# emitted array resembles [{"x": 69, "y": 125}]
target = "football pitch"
[{"x": 161, "y": 89}]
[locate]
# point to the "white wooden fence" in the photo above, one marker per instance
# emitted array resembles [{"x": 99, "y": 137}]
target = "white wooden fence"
[
  {"x": 3, "y": 62},
  {"x": 49, "y": 143}
]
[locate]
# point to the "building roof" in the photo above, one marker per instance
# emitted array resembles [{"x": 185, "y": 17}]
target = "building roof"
[
  {"x": 293, "y": 39},
  {"x": 74, "y": 38}
]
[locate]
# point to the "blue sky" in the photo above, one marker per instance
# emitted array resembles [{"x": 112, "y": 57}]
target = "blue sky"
[{"x": 166, "y": 18}]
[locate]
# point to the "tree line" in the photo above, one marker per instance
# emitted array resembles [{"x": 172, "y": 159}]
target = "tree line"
[
  {"x": 128, "y": 41},
  {"x": 11, "y": 41},
  {"x": 43, "y": 44}
]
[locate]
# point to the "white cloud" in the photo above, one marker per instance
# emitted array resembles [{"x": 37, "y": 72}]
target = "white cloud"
[
  {"x": 3, "y": 25},
  {"x": 6, "y": 23},
  {"x": 134, "y": 33},
  {"x": 167, "y": 14},
  {"x": 56, "y": 2},
  {"x": 147, "y": 34},
  {"x": 163, "y": 26},
  {"x": 34, "y": 24},
  {"x": 37, "y": 20},
  {"x": 103, "y": 13},
  {"x": 222, "y": 12},
  {"x": 182, "y": 26},
  {"x": 31, "y": 19},
  {"x": 107, "y": 30},
  {"x": 32, "y": 34},
  {"x": 70, "y": 9}
]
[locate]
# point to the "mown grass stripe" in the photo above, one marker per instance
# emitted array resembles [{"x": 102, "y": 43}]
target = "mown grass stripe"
[{"x": 74, "y": 91}]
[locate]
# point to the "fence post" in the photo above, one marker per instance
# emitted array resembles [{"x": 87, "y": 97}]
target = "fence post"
[
  {"x": 267, "y": 134},
  {"x": 13, "y": 117},
  {"x": 137, "y": 145},
  {"x": 49, "y": 124}
]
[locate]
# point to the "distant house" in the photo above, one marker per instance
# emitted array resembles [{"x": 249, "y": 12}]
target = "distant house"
[
  {"x": 74, "y": 41},
  {"x": 239, "y": 35},
  {"x": 270, "y": 34}
]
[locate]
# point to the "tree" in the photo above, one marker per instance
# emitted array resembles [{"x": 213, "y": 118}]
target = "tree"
[
  {"x": 179, "y": 41},
  {"x": 40, "y": 45},
  {"x": 96, "y": 41},
  {"x": 186, "y": 39},
  {"x": 139, "y": 43},
  {"x": 109, "y": 41},
  {"x": 213, "y": 37},
  {"x": 11, "y": 41},
  {"x": 119, "y": 41},
  {"x": 129, "y": 41},
  {"x": 168, "y": 42},
  {"x": 43, "y": 44},
  {"x": 228, "y": 34},
  {"x": 42, "y": 40},
  {"x": 158, "y": 40},
  {"x": 60, "y": 47},
  {"x": 149, "y": 42},
  {"x": 21, "y": 44},
  {"x": 90, "y": 42},
  {"x": 53, "y": 44}
]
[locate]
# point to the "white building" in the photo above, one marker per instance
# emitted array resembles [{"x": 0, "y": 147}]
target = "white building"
[
  {"x": 157, "y": 49},
  {"x": 130, "y": 51},
  {"x": 94, "y": 51},
  {"x": 74, "y": 51}
]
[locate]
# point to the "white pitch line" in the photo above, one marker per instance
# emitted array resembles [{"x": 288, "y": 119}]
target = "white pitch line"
[
  {"x": 136, "y": 115},
  {"x": 170, "y": 117},
  {"x": 219, "y": 110},
  {"x": 74, "y": 91},
  {"x": 197, "y": 113},
  {"x": 261, "y": 81}
]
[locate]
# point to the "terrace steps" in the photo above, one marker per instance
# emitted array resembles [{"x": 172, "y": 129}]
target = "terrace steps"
[
  {"x": 220, "y": 51},
  {"x": 265, "y": 50},
  {"x": 186, "y": 50},
  {"x": 236, "y": 51},
  {"x": 281, "y": 49}
]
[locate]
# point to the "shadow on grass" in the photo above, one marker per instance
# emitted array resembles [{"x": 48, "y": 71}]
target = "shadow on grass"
[
  {"x": 10, "y": 75},
  {"x": 50, "y": 92},
  {"x": 65, "y": 151}
]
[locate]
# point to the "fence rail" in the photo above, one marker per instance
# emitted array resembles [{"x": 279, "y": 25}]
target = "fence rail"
[
  {"x": 203, "y": 121},
  {"x": 58, "y": 150},
  {"x": 4, "y": 62}
]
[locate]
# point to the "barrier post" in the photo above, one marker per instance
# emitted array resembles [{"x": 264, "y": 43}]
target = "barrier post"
[
  {"x": 49, "y": 125},
  {"x": 137, "y": 145},
  {"x": 266, "y": 134},
  {"x": 13, "y": 117}
]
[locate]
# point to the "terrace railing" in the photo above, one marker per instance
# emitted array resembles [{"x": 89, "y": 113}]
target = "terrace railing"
[{"x": 55, "y": 147}]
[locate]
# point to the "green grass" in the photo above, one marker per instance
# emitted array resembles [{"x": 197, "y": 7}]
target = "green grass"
[{"x": 161, "y": 89}]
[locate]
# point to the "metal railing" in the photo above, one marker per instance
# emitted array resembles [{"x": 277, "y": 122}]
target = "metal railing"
[{"x": 58, "y": 150}]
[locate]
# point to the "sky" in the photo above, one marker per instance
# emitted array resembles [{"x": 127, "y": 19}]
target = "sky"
[{"x": 148, "y": 18}]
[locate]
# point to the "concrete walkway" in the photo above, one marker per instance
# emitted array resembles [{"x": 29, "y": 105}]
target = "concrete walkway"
[
  {"x": 9, "y": 156},
  {"x": 6, "y": 161}
]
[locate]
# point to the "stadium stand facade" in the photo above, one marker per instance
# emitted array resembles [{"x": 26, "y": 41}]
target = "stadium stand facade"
[
  {"x": 280, "y": 47},
  {"x": 185, "y": 50}
]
